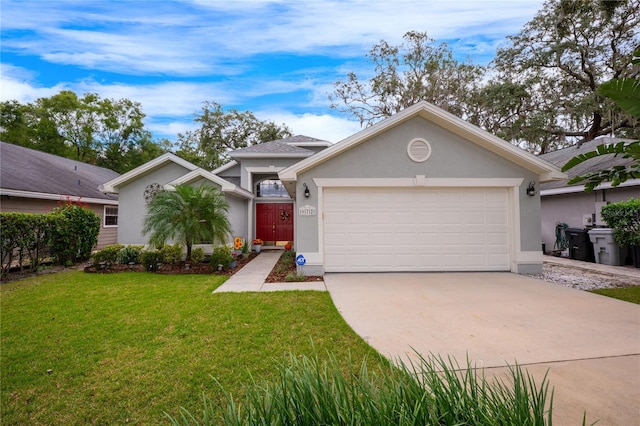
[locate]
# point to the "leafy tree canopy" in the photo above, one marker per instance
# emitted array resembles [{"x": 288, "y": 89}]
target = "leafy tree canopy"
[
  {"x": 223, "y": 131},
  {"x": 106, "y": 132},
  {"x": 417, "y": 69},
  {"x": 539, "y": 93},
  {"x": 625, "y": 92},
  {"x": 557, "y": 62}
]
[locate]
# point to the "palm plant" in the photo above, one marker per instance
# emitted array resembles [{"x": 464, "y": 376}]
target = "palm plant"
[{"x": 188, "y": 214}]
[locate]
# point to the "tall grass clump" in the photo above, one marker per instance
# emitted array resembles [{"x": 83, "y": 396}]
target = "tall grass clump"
[{"x": 431, "y": 391}]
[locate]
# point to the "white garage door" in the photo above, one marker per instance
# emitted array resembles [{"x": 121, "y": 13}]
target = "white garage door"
[{"x": 416, "y": 229}]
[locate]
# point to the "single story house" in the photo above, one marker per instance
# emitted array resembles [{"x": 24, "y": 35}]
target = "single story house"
[
  {"x": 422, "y": 190},
  {"x": 570, "y": 204},
  {"x": 36, "y": 182}
]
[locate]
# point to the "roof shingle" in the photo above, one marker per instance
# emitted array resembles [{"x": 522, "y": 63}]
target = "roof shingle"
[
  {"x": 26, "y": 169},
  {"x": 562, "y": 156},
  {"x": 280, "y": 146}
]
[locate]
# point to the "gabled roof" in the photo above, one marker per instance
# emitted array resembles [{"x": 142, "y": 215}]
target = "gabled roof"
[
  {"x": 546, "y": 171},
  {"x": 224, "y": 167},
  {"x": 146, "y": 168},
  {"x": 29, "y": 173},
  {"x": 197, "y": 174},
  {"x": 562, "y": 156},
  {"x": 287, "y": 147}
]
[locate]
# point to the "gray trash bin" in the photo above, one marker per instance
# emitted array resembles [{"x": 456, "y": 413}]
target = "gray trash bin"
[{"x": 605, "y": 248}]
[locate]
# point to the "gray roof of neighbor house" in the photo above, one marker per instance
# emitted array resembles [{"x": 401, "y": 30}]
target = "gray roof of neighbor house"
[
  {"x": 30, "y": 171},
  {"x": 291, "y": 146},
  {"x": 562, "y": 156}
]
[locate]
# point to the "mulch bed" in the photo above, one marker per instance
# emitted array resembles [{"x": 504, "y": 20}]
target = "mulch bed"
[
  {"x": 277, "y": 275},
  {"x": 281, "y": 270}
]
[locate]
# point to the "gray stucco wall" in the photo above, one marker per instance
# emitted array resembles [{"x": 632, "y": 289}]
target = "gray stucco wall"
[
  {"x": 253, "y": 163},
  {"x": 132, "y": 206},
  {"x": 385, "y": 156},
  {"x": 570, "y": 208}
]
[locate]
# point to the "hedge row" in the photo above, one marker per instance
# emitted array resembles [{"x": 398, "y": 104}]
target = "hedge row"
[
  {"x": 624, "y": 218},
  {"x": 67, "y": 234}
]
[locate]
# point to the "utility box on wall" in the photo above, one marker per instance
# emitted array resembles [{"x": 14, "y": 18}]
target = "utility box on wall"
[{"x": 599, "y": 206}]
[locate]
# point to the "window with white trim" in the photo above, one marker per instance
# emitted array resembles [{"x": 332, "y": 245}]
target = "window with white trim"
[
  {"x": 272, "y": 188},
  {"x": 110, "y": 216}
]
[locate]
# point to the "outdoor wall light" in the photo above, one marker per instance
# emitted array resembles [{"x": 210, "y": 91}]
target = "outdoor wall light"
[
  {"x": 307, "y": 193},
  {"x": 531, "y": 190}
]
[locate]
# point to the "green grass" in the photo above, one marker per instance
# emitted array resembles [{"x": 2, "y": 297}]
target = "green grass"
[
  {"x": 628, "y": 294},
  {"x": 125, "y": 348}
]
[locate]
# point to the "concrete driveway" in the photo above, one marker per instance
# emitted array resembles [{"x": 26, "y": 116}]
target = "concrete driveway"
[{"x": 590, "y": 344}]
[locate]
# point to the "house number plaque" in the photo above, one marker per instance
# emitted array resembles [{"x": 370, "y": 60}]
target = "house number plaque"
[{"x": 306, "y": 211}]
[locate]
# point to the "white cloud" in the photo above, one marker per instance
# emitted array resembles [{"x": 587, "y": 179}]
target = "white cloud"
[
  {"x": 169, "y": 130},
  {"x": 321, "y": 126},
  {"x": 183, "y": 53},
  {"x": 203, "y": 37},
  {"x": 16, "y": 83}
]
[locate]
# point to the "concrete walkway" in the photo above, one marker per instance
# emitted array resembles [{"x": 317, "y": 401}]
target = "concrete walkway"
[{"x": 252, "y": 276}]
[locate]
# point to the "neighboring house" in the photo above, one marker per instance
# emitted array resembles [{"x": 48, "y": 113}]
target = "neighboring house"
[
  {"x": 36, "y": 182},
  {"x": 570, "y": 204},
  {"x": 422, "y": 190}
]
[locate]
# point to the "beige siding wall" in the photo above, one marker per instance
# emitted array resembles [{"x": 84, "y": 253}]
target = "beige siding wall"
[{"x": 31, "y": 205}]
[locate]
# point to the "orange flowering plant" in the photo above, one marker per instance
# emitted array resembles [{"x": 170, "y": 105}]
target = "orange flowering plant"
[
  {"x": 238, "y": 242},
  {"x": 258, "y": 242}
]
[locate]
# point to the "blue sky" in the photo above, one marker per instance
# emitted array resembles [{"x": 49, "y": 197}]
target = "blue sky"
[{"x": 278, "y": 59}]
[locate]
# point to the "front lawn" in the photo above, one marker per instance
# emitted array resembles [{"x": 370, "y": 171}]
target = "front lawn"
[
  {"x": 124, "y": 348},
  {"x": 628, "y": 294}
]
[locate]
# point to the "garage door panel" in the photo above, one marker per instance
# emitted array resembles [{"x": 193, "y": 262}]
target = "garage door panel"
[
  {"x": 381, "y": 218},
  {"x": 478, "y": 238},
  {"x": 416, "y": 229},
  {"x": 496, "y": 218}
]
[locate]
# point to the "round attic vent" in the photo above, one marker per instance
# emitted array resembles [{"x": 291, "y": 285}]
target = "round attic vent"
[{"x": 419, "y": 150}]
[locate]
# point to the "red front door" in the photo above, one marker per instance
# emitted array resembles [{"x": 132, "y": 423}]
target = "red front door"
[{"x": 274, "y": 222}]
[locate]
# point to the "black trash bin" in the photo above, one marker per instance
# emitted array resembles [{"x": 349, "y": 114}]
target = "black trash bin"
[{"x": 580, "y": 246}]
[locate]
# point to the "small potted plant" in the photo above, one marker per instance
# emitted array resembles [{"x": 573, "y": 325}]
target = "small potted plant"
[
  {"x": 246, "y": 249},
  {"x": 238, "y": 244},
  {"x": 257, "y": 245},
  {"x": 234, "y": 261}
]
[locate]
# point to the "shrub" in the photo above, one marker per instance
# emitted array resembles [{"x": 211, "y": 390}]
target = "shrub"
[
  {"x": 74, "y": 232},
  {"x": 26, "y": 236},
  {"x": 221, "y": 256},
  {"x": 129, "y": 254},
  {"x": 294, "y": 277},
  {"x": 197, "y": 255},
  {"x": 289, "y": 256},
  {"x": 150, "y": 260},
  {"x": 109, "y": 254},
  {"x": 624, "y": 219},
  {"x": 171, "y": 254},
  {"x": 432, "y": 391}
]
